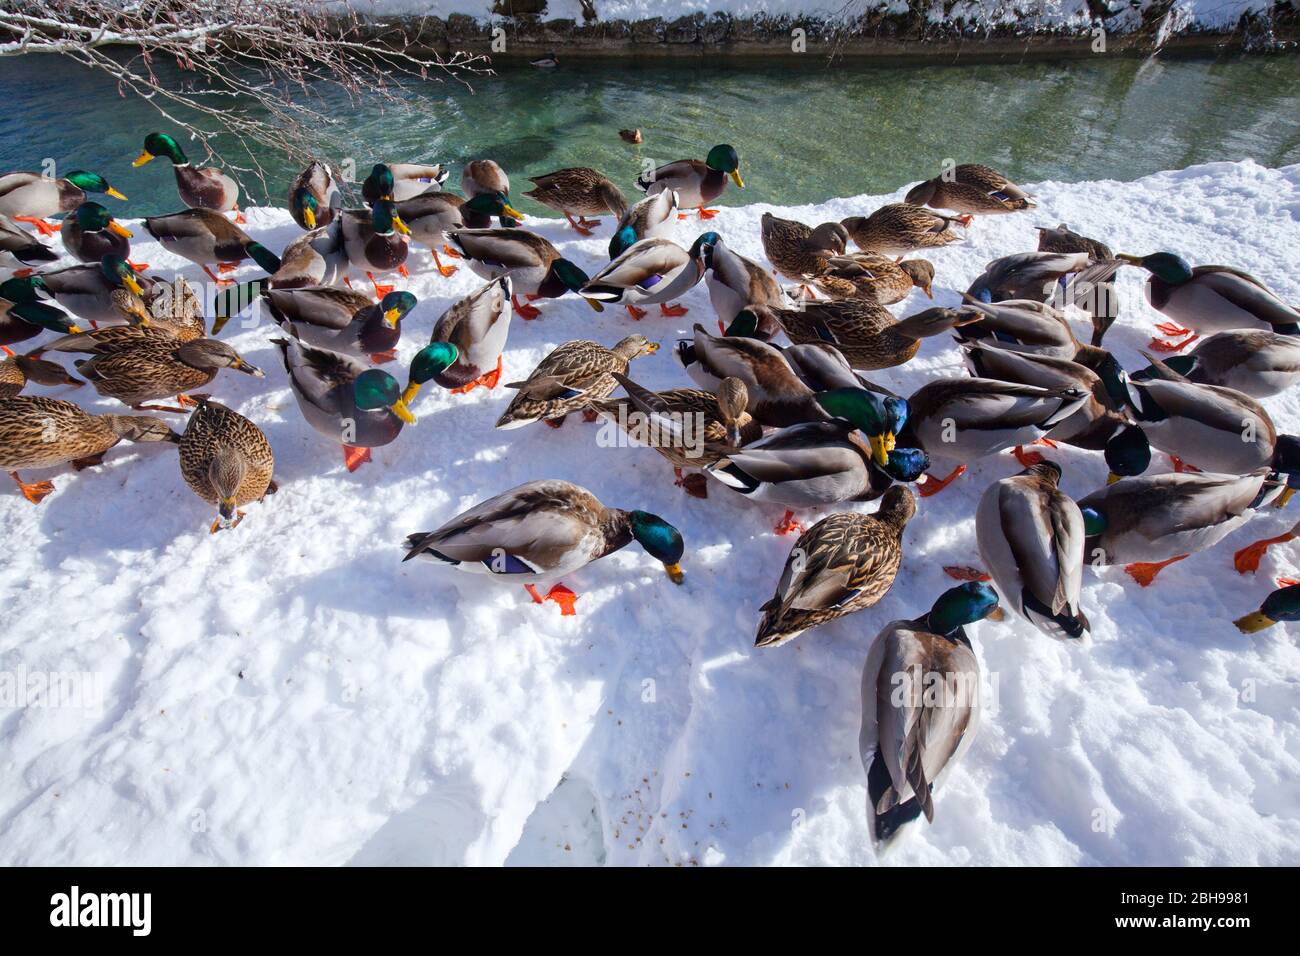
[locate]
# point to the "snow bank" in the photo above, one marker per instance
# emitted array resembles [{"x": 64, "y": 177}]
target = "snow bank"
[{"x": 291, "y": 693}]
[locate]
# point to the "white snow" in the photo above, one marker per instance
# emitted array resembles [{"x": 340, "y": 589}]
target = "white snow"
[{"x": 290, "y": 692}]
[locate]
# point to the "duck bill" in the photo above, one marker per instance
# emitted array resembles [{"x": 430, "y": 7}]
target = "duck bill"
[
  {"x": 399, "y": 409},
  {"x": 392, "y": 317},
  {"x": 408, "y": 396},
  {"x": 1130, "y": 259},
  {"x": 133, "y": 284},
  {"x": 400, "y": 226},
  {"x": 881, "y": 446},
  {"x": 110, "y": 191},
  {"x": 1112, "y": 478},
  {"x": 595, "y": 306},
  {"x": 929, "y": 292},
  {"x": 1285, "y": 497},
  {"x": 512, "y": 212},
  {"x": 309, "y": 217},
  {"x": 675, "y": 573},
  {"x": 997, "y": 614},
  {"x": 144, "y": 157},
  {"x": 735, "y": 178},
  {"x": 248, "y": 369},
  {"x": 1252, "y": 623},
  {"x": 117, "y": 229}
]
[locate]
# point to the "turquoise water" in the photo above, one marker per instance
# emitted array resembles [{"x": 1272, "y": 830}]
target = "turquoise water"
[{"x": 805, "y": 131}]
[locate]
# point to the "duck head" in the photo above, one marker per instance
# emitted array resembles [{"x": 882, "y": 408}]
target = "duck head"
[
  {"x": 563, "y": 276},
  {"x": 396, "y": 306},
  {"x": 724, "y": 159},
  {"x": 161, "y": 144},
  {"x": 92, "y": 183},
  {"x": 227, "y": 470},
  {"x": 92, "y": 217},
  {"x": 304, "y": 204},
  {"x": 922, "y": 274},
  {"x": 119, "y": 274},
  {"x": 621, "y": 241},
  {"x": 906, "y": 464},
  {"x": 493, "y": 204},
  {"x": 1165, "y": 266},
  {"x": 215, "y": 354},
  {"x": 661, "y": 540},
  {"x": 880, "y": 419},
  {"x": 384, "y": 218},
  {"x": 965, "y": 604},
  {"x": 430, "y": 362},
  {"x": 1282, "y": 605},
  {"x": 379, "y": 184},
  {"x": 1128, "y": 453},
  {"x": 701, "y": 251}
]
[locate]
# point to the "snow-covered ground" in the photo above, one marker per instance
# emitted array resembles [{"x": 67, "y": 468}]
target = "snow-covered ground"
[{"x": 290, "y": 692}]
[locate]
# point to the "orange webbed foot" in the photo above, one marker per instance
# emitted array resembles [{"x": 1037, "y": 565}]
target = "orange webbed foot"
[
  {"x": 380, "y": 290},
  {"x": 932, "y": 486},
  {"x": 525, "y": 311},
  {"x": 707, "y": 213},
  {"x": 445, "y": 271},
  {"x": 379, "y": 358},
  {"x": 36, "y": 491},
  {"x": 554, "y": 422},
  {"x": 354, "y": 457},
  {"x": 561, "y": 595},
  {"x": 1144, "y": 572},
  {"x": 694, "y": 484},
  {"x": 636, "y": 313},
  {"x": 788, "y": 524},
  {"x": 220, "y": 282},
  {"x": 672, "y": 311},
  {"x": 1160, "y": 345},
  {"x": 138, "y": 266},
  {"x": 1172, "y": 329},
  {"x": 1026, "y": 458},
  {"x": 1246, "y": 561},
  {"x": 962, "y": 573},
  {"x": 449, "y": 251},
  {"x": 43, "y": 227}
]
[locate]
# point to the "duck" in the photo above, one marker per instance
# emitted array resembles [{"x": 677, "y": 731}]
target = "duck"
[
  {"x": 581, "y": 190},
  {"x": 632, "y": 136},
  {"x": 963, "y": 419},
  {"x": 207, "y": 239},
  {"x": 431, "y": 216},
  {"x": 652, "y": 218},
  {"x": 844, "y": 563},
  {"x": 799, "y": 252},
  {"x": 865, "y": 333},
  {"x": 879, "y": 278},
  {"x": 1209, "y": 299},
  {"x": 1028, "y": 275},
  {"x": 1258, "y": 362},
  {"x": 536, "y": 268},
  {"x": 651, "y": 271},
  {"x": 972, "y": 189},
  {"x": 313, "y": 259},
  {"x": 160, "y": 367},
  {"x": 18, "y": 246},
  {"x": 199, "y": 187},
  {"x": 94, "y": 292},
  {"x": 24, "y": 316},
  {"x": 40, "y": 432},
  {"x": 1063, "y": 239},
  {"x": 696, "y": 182},
  {"x": 1281, "y": 605},
  {"x": 33, "y": 198},
  {"x": 342, "y": 320},
  {"x": 1213, "y": 428},
  {"x": 226, "y": 460},
  {"x": 17, "y": 370},
  {"x": 374, "y": 240},
  {"x": 314, "y": 196},
  {"x": 569, "y": 379},
  {"x": 1030, "y": 536},
  {"x": 90, "y": 233},
  {"x": 910, "y": 737},
  {"x": 1148, "y": 522},
  {"x": 735, "y": 282},
  {"x": 1098, "y": 419},
  {"x": 165, "y": 315},
  {"x": 347, "y": 402},
  {"x": 487, "y": 176},
  {"x": 402, "y": 181},
  {"x": 543, "y": 530},
  {"x": 813, "y": 464},
  {"x": 478, "y": 325},
  {"x": 899, "y": 229},
  {"x": 1021, "y": 325},
  {"x": 690, "y": 427}
]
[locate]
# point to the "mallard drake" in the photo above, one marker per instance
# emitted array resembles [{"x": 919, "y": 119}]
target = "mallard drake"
[
  {"x": 17, "y": 370},
  {"x": 688, "y": 426},
  {"x": 799, "y": 252},
  {"x": 1213, "y": 428},
  {"x": 226, "y": 460},
  {"x": 1096, "y": 421},
  {"x": 651, "y": 271},
  {"x": 697, "y": 183},
  {"x": 199, "y": 187},
  {"x": 375, "y": 240},
  {"x": 914, "y": 732},
  {"x": 432, "y": 216},
  {"x": 485, "y": 176},
  {"x": 1064, "y": 239},
  {"x": 581, "y": 190},
  {"x": 22, "y": 313},
  {"x": 900, "y": 228},
  {"x": 402, "y": 181},
  {"x": 95, "y": 292},
  {"x": 359, "y": 407},
  {"x": 1149, "y": 522},
  {"x": 1027, "y": 275},
  {"x": 160, "y": 367},
  {"x": 315, "y": 198},
  {"x": 477, "y": 325},
  {"x": 18, "y": 246},
  {"x": 962, "y": 419},
  {"x": 31, "y": 197},
  {"x": 1209, "y": 299},
  {"x": 654, "y": 217},
  {"x": 91, "y": 233},
  {"x": 736, "y": 282},
  {"x": 971, "y": 188},
  {"x": 1255, "y": 361},
  {"x": 208, "y": 238},
  {"x": 544, "y": 530},
  {"x": 865, "y": 333},
  {"x": 1281, "y": 605},
  {"x": 38, "y": 432},
  {"x": 569, "y": 379},
  {"x": 843, "y": 563},
  {"x": 814, "y": 464},
  {"x": 342, "y": 320},
  {"x": 1030, "y": 536},
  {"x": 536, "y": 268},
  {"x": 879, "y": 278}
]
